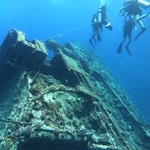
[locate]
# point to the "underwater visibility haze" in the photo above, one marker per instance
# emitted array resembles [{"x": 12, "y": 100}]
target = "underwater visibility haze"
[
  {"x": 72, "y": 77},
  {"x": 70, "y": 20}
]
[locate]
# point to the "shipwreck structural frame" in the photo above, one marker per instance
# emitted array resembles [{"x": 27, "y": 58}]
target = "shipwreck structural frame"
[{"x": 66, "y": 103}]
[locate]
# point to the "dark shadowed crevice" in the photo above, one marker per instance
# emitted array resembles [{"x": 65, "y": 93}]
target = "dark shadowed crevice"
[{"x": 47, "y": 144}]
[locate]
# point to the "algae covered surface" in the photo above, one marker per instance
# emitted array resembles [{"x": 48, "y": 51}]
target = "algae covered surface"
[{"x": 68, "y": 102}]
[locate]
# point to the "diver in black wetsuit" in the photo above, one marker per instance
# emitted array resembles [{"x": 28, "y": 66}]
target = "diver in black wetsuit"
[
  {"x": 98, "y": 20},
  {"x": 132, "y": 9},
  {"x": 128, "y": 27}
]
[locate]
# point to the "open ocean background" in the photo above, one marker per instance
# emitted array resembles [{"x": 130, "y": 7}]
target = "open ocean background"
[{"x": 66, "y": 20}]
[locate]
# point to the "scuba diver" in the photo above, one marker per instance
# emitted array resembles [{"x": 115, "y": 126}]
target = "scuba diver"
[
  {"x": 98, "y": 20},
  {"x": 128, "y": 27},
  {"x": 132, "y": 9}
]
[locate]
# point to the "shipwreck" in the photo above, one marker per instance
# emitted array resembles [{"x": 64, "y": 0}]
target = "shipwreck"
[{"x": 69, "y": 102}]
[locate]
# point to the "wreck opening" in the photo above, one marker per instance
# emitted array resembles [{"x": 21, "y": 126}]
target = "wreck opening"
[{"x": 47, "y": 144}]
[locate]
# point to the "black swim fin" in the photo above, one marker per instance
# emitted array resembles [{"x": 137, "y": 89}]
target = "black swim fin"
[
  {"x": 137, "y": 36},
  {"x": 128, "y": 50},
  {"x": 119, "y": 48},
  {"x": 90, "y": 41},
  {"x": 99, "y": 38}
]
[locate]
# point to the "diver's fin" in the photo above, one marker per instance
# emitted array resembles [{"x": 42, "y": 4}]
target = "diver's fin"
[
  {"x": 99, "y": 38},
  {"x": 119, "y": 48},
  {"x": 128, "y": 50},
  {"x": 137, "y": 36},
  {"x": 90, "y": 41}
]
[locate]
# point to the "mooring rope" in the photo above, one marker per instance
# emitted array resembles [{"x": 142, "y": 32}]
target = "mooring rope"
[{"x": 70, "y": 30}]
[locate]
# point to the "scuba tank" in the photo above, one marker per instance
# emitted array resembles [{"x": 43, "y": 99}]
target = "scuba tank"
[
  {"x": 103, "y": 2},
  {"x": 144, "y": 4}
]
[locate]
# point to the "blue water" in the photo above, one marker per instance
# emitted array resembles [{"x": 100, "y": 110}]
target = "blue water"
[{"x": 70, "y": 20}]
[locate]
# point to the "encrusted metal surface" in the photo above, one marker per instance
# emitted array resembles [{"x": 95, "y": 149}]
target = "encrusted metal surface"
[{"x": 70, "y": 99}]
